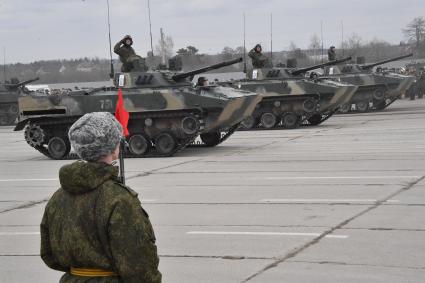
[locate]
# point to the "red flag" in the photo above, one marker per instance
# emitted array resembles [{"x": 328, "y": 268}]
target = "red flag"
[{"x": 121, "y": 113}]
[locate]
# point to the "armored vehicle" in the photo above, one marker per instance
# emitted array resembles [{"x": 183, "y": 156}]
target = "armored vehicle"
[
  {"x": 166, "y": 112},
  {"x": 9, "y": 93},
  {"x": 377, "y": 90},
  {"x": 290, "y": 99}
]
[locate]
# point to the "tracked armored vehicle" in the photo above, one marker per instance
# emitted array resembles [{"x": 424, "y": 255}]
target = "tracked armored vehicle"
[
  {"x": 166, "y": 112},
  {"x": 9, "y": 94},
  {"x": 377, "y": 90},
  {"x": 290, "y": 99}
]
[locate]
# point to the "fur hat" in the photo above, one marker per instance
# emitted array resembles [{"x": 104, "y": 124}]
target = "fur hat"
[{"x": 95, "y": 135}]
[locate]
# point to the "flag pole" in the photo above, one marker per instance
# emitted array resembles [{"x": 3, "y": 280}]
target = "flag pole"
[
  {"x": 123, "y": 116},
  {"x": 121, "y": 158}
]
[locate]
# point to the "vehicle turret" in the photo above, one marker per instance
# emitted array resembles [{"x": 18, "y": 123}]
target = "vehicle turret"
[{"x": 289, "y": 73}]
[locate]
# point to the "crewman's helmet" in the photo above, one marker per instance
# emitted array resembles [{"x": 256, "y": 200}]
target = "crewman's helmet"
[
  {"x": 202, "y": 81},
  {"x": 258, "y": 46},
  {"x": 128, "y": 40}
]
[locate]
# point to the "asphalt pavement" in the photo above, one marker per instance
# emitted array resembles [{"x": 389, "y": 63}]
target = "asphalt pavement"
[{"x": 341, "y": 202}]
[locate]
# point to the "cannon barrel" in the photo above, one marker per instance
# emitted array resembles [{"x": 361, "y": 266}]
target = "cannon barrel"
[
  {"x": 330, "y": 63},
  {"x": 369, "y": 66},
  {"x": 184, "y": 75},
  {"x": 14, "y": 86}
]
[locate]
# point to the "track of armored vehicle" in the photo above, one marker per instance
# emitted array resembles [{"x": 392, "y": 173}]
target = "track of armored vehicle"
[
  {"x": 376, "y": 90},
  {"x": 9, "y": 94},
  {"x": 291, "y": 100},
  {"x": 167, "y": 113}
]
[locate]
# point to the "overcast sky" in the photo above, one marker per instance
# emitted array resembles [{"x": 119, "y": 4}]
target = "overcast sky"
[{"x": 33, "y": 30}]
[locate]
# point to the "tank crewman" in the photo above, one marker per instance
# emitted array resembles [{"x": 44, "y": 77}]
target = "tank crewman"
[
  {"x": 258, "y": 59},
  {"x": 94, "y": 228},
  {"x": 420, "y": 83},
  {"x": 331, "y": 54},
  {"x": 202, "y": 81},
  {"x": 125, "y": 51}
]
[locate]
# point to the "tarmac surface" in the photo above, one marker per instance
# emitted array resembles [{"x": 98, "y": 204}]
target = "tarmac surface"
[{"x": 341, "y": 202}]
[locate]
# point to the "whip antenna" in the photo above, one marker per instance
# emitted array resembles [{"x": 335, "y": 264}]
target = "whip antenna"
[
  {"x": 4, "y": 63},
  {"x": 150, "y": 25},
  {"x": 111, "y": 75},
  {"x": 244, "y": 45}
]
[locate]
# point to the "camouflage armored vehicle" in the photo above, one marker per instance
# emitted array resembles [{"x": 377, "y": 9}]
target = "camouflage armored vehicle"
[
  {"x": 290, "y": 99},
  {"x": 377, "y": 90},
  {"x": 9, "y": 93},
  {"x": 166, "y": 112}
]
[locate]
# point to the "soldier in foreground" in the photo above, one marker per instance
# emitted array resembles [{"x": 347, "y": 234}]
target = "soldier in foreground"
[
  {"x": 125, "y": 51},
  {"x": 331, "y": 54},
  {"x": 258, "y": 59},
  {"x": 93, "y": 227}
]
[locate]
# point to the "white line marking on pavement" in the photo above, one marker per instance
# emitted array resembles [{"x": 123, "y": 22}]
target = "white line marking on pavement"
[
  {"x": 326, "y": 200},
  {"x": 264, "y": 234},
  {"x": 27, "y": 180},
  {"x": 338, "y": 177},
  {"x": 18, "y": 233}
]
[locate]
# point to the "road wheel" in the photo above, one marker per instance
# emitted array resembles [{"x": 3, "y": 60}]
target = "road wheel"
[
  {"x": 190, "y": 125},
  {"x": 268, "y": 120},
  {"x": 211, "y": 139},
  {"x": 58, "y": 147},
  {"x": 138, "y": 145},
  {"x": 290, "y": 120},
  {"x": 309, "y": 105},
  {"x": 13, "y": 109},
  {"x": 165, "y": 143},
  {"x": 249, "y": 123},
  {"x": 344, "y": 108},
  {"x": 362, "y": 106},
  {"x": 34, "y": 135},
  {"x": 379, "y": 94}
]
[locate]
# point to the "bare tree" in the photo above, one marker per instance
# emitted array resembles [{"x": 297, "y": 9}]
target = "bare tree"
[
  {"x": 192, "y": 50},
  {"x": 228, "y": 53},
  {"x": 164, "y": 48},
  {"x": 292, "y": 46},
  {"x": 377, "y": 49},
  {"x": 415, "y": 30},
  {"x": 240, "y": 50},
  {"x": 314, "y": 46},
  {"x": 354, "y": 43},
  {"x": 314, "y": 42}
]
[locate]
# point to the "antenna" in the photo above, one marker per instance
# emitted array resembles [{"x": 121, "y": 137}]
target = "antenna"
[
  {"x": 150, "y": 25},
  {"x": 4, "y": 63},
  {"x": 244, "y": 44},
  {"x": 342, "y": 37},
  {"x": 111, "y": 74},
  {"x": 162, "y": 46},
  {"x": 271, "y": 38},
  {"x": 321, "y": 35}
]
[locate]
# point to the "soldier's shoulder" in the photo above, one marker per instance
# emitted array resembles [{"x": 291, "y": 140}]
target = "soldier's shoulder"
[
  {"x": 118, "y": 188},
  {"x": 128, "y": 189}
]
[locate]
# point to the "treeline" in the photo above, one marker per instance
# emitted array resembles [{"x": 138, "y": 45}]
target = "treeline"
[{"x": 61, "y": 71}]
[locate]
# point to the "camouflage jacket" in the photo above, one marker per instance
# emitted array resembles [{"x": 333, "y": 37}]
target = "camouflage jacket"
[
  {"x": 331, "y": 55},
  {"x": 124, "y": 52},
  {"x": 258, "y": 59},
  {"x": 93, "y": 221}
]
